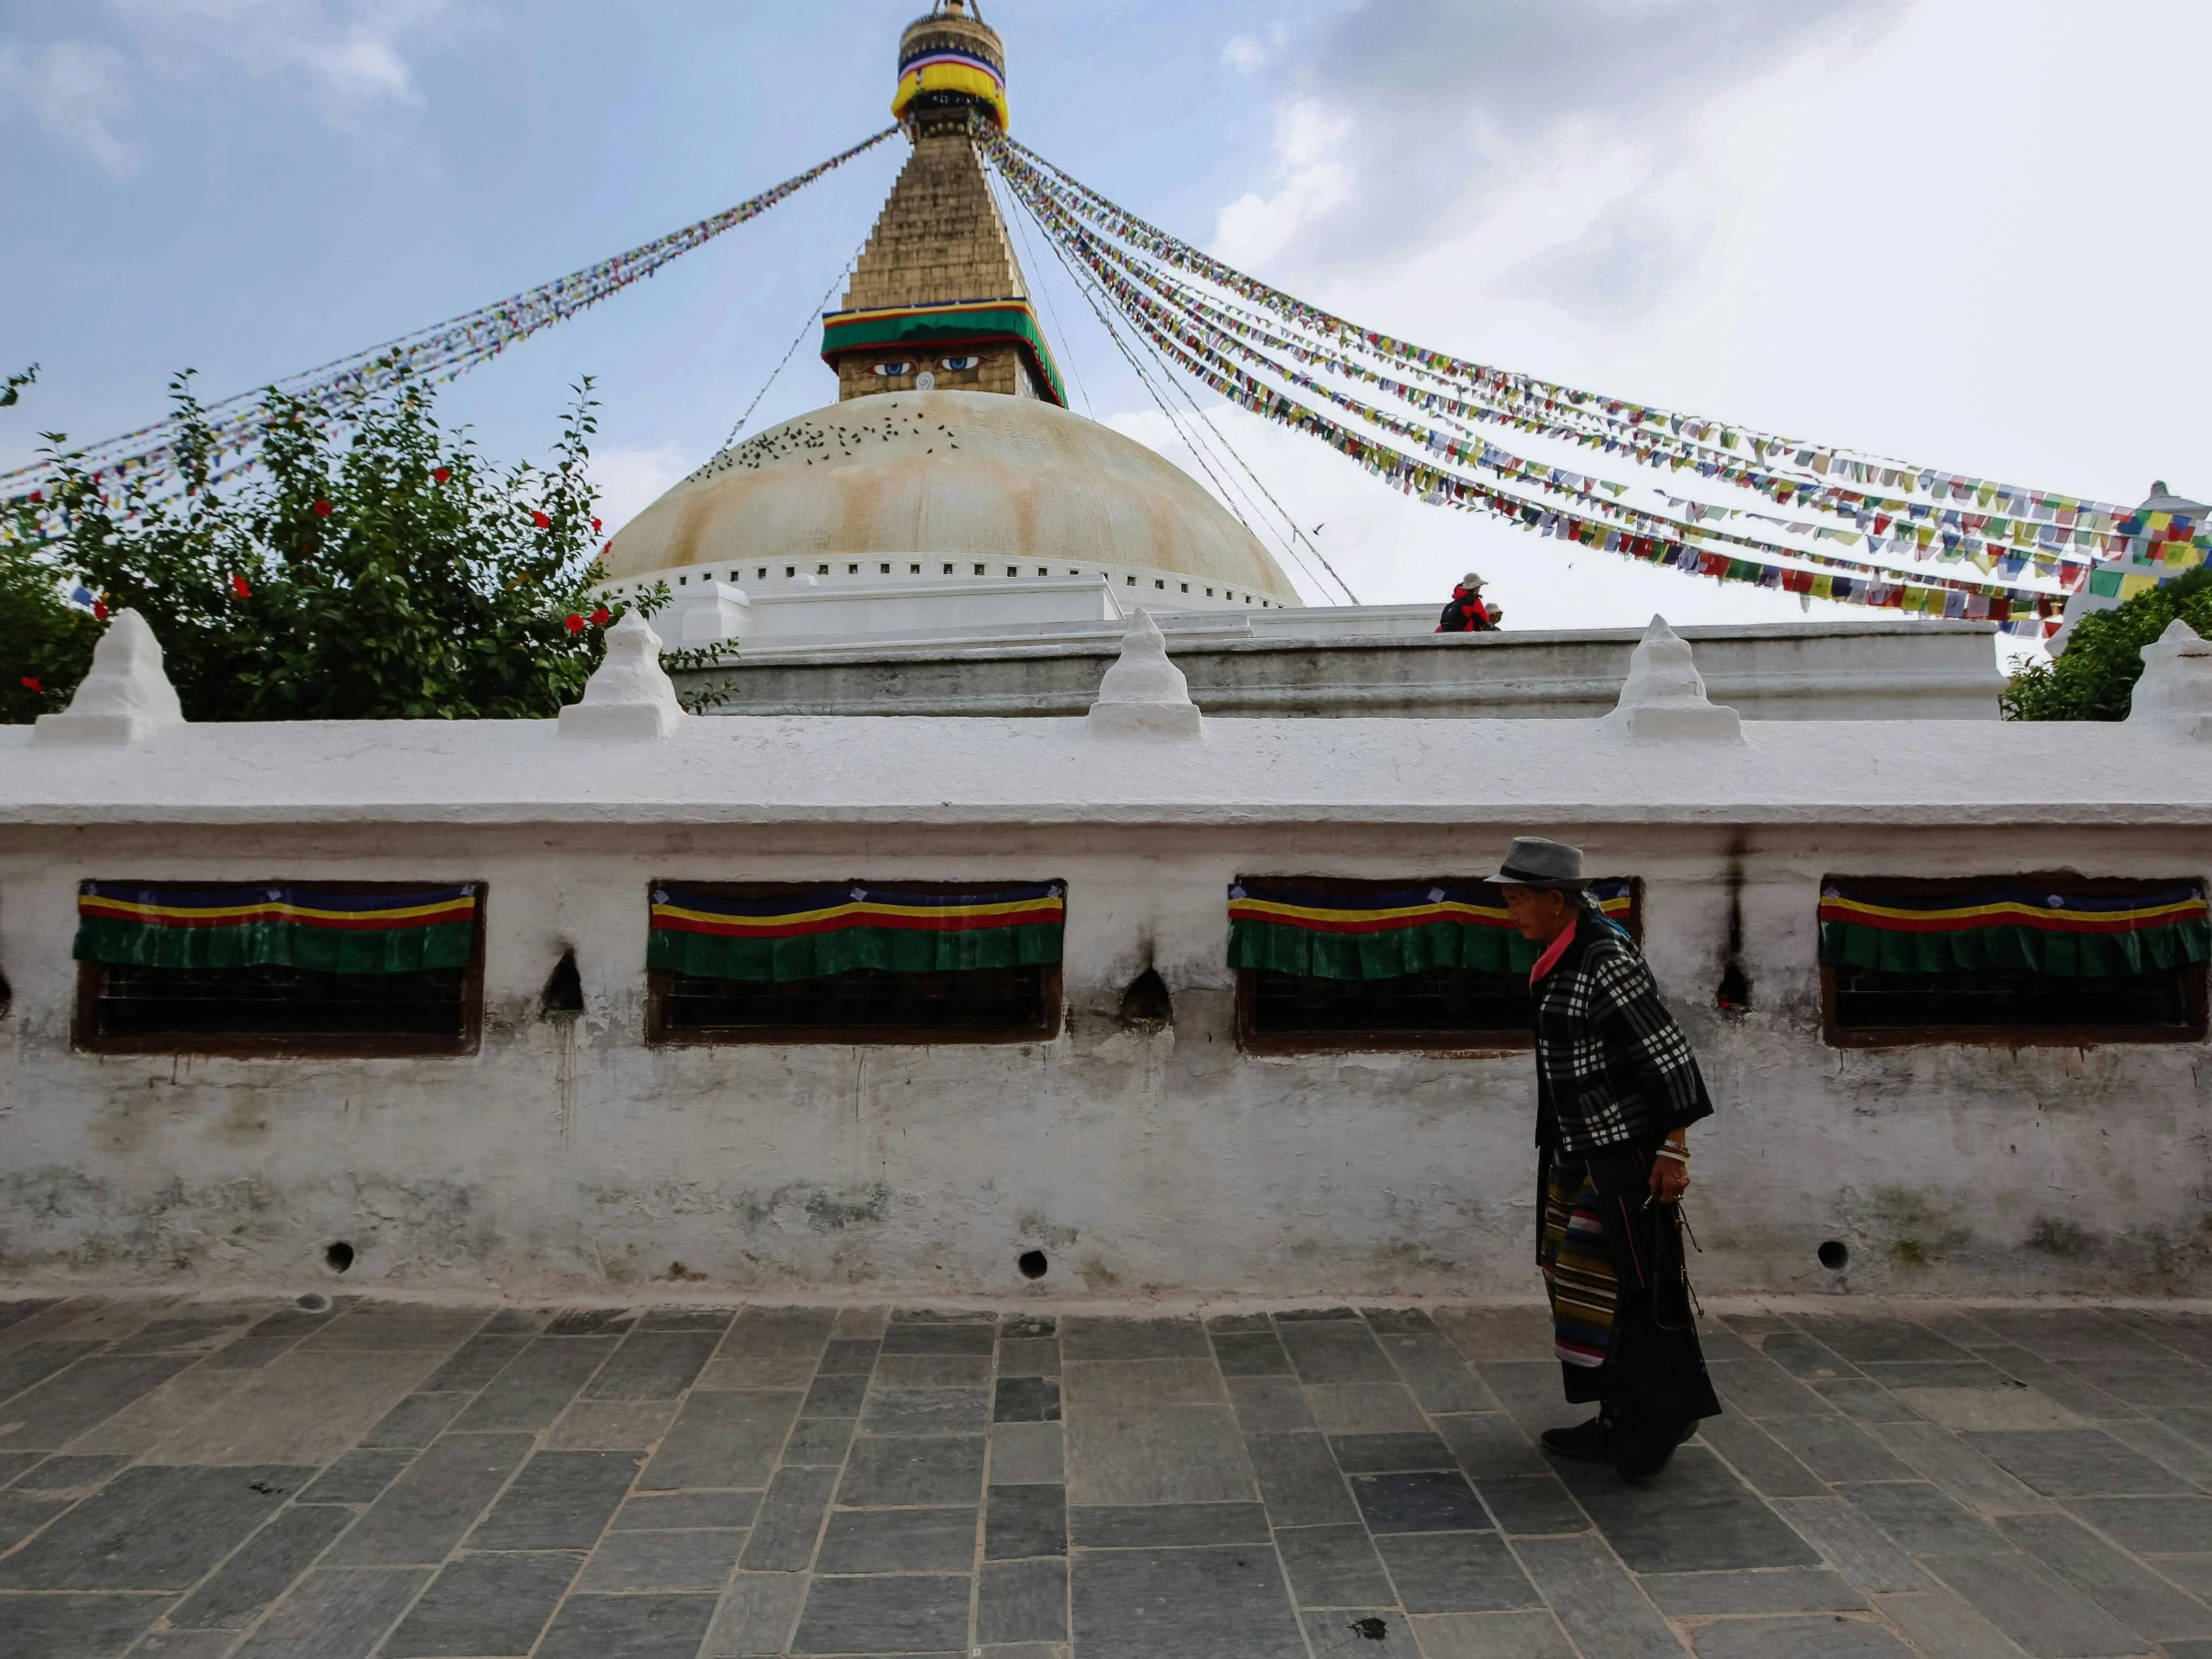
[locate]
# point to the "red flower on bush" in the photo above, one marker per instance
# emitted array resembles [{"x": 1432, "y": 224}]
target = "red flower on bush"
[
  {"x": 38, "y": 495},
  {"x": 595, "y": 526},
  {"x": 100, "y": 610},
  {"x": 30, "y": 684},
  {"x": 322, "y": 509},
  {"x": 573, "y": 622},
  {"x": 239, "y": 587},
  {"x": 608, "y": 548},
  {"x": 441, "y": 473},
  {"x": 540, "y": 520},
  {"x": 601, "y": 617}
]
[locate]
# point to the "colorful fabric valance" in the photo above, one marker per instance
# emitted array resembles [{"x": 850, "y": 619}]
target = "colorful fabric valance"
[
  {"x": 939, "y": 327},
  {"x": 2010, "y": 929},
  {"x": 808, "y": 932},
  {"x": 1289, "y": 926},
  {"x": 948, "y": 68},
  {"x": 327, "y": 929}
]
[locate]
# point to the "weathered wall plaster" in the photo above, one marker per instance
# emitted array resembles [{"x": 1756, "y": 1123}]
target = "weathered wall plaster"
[{"x": 568, "y": 1156}]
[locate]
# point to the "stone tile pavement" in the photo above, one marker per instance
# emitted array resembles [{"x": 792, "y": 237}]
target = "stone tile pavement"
[{"x": 383, "y": 1479}]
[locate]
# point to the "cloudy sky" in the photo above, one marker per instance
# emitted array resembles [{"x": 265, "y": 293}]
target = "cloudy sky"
[{"x": 1963, "y": 233}]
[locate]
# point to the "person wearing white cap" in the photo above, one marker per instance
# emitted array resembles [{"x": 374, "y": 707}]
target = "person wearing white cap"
[
  {"x": 1616, "y": 1091},
  {"x": 1469, "y": 612}
]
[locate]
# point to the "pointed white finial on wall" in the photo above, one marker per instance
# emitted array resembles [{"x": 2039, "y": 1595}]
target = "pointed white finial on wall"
[
  {"x": 1664, "y": 696},
  {"x": 1143, "y": 692},
  {"x": 630, "y": 695},
  {"x": 125, "y": 696},
  {"x": 2177, "y": 688}
]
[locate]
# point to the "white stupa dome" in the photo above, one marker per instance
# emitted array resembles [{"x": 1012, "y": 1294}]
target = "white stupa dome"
[{"x": 947, "y": 477}]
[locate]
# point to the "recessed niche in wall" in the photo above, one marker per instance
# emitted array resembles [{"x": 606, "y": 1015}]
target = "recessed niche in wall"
[
  {"x": 1146, "y": 1005},
  {"x": 563, "y": 996}
]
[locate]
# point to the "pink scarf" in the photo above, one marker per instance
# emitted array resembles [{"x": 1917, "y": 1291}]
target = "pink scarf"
[{"x": 1550, "y": 958}]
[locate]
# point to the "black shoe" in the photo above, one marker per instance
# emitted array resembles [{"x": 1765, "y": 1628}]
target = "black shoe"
[
  {"x": 1646, "y": 1465},
  {"x": 1591, "y": 1441}
]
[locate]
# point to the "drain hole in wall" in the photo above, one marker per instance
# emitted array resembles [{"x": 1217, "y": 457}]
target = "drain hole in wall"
[
  {"x": 1835, "y": 1256},
  {"x": 563, "y": 996},
  {"x": 7, "y": 997},
  {"x": 1734, "y": 995},
  {"x": 1145, "y": 1005},
  {"x": 314, "y": 1302},
  {"x": 1032, "y": 1264},
  {"x": 337, "y": 1257}
]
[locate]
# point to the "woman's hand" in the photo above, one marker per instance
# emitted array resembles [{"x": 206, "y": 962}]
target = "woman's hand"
[{"x": 1670, "y": 1179}]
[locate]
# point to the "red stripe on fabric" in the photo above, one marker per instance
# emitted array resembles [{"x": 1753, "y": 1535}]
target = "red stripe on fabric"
[
  {"x": 843, "y": 925},
  {"x": 2039, "y": 923},
  {"x": 1387, "y": 925}
]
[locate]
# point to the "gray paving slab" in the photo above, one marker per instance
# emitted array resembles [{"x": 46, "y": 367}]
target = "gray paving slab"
[
  {"x": 926, "y": 1411},
  {"x": 1437, "y": 1373},
  {"x": 537, "y": 1383},
  {"x": 1532, "y": 1635},
  {"x": 484, "y": 1604},
  {"x": 756, "y": 1616},
  {"x": 1300, "y": 1481},
  {"x": 896, "y": 1471},
  {"x": 697, "y": 1561},
  {"x": 477, "y": 1360},
  {"x": 22, "y": 1515},
  {"x": 1020, "y": 1521},
  {"x": 1021, "y": 1601},
  {"x": 150, "y": 1530},
  {"x": 1333, "y": 1566},
  {"x": 262, "y": 1570},
  {"x": 359, "y": 1477},
  {"x": 1182, "y": 1604},
  {"x": 901, "y": 1540},
  {"x": 50, "y": 1413},
  {"x": 2122, "y": 1585},
  {"x": 430, "y": 1507},
  {"x": 653, "y": 1364},
  {"x": 820, "y": 1440},
  {"x": 1832, "y": 1636},
  {"x": 560, "y": 1501},
  {"x": 1455, "y": 1572},
  {"x": 1761, "y": 1460},
  {"x": 2077, "y": 1462},
  {"x": 72, "y": 1626},
  {"x": 1595, "y": 1599},
  {"x": 1532, "y": 1505},
  {"x": 1166, "y": 1525},
  {"x": 789, "y": 1523},
  {"x": 1355, "y": 1631},
  {"x": 627, "y": 1627},
  {"x": 1090, "y": 1336},
  {"x": 2151, "y": 1525},
  {"x": 1790, "y": 1590},
  {"x": 2038, "y": 1609},
  {"x": 1269, "y": 1404},
  {"x": 1921, "y": 1520},
  {"x": 669, "y": 1512},
  {"x": 1852, "y": 1544},
  {"x": 905, "y": 1613},
  {"x": 1695, "y": 1517},
  {"x": 336, "y": 1613},
  {"x": 1029, "y": 1453},
  {"x": 1366, "y": 1408},
  {"x": 726, "y": 1438},
  {"x": 1328, "y": 1350},
  {"x": 417, "y": 1419}
]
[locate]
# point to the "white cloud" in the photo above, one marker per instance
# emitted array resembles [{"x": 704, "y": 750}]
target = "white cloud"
[
  {"x": 631, "y": 480},
  {"x": 352, "y": 54},
  {"x": 73, "y": 89},
  {"x": 1312, "y": 180}
]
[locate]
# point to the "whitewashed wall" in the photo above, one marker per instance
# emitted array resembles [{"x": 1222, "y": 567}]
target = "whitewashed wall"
[{"x": 1138, "y": 1163}]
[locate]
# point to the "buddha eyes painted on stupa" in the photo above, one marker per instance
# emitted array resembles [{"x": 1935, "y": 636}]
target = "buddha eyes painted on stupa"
[
  {"x": 958, "y": 363},
  {"x": 895, "y": 368}
]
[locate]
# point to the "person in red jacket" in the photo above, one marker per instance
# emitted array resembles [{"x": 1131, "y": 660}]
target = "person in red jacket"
[{"x": 1467, "y": 614}]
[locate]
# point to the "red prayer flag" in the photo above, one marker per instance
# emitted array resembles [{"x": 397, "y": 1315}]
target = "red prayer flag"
[
  {"x": 30, "y": 683},
  {"x": 540, "y": 520},
  {"x": 100, "y": 610},
  {"x": 239, "y": 587}
]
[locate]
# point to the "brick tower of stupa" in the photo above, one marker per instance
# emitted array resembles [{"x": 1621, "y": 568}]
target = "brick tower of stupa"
[{"x": 937, "y": 300}]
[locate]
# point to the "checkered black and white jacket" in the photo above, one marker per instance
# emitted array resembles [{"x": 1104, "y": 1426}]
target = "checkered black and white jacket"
[{"x": 1612, "y": 1067}]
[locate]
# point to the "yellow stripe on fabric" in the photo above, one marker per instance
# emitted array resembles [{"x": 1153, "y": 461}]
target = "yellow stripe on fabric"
[
  {"x": 1257, "y": 910},
  {"x": 120, "y": 908},
  {"x": 2015, "y": 907},
  {"x": 783, "y": 919}
]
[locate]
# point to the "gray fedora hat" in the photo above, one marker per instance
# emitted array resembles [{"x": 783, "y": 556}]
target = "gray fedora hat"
[{"x": 1534, "y": 861}]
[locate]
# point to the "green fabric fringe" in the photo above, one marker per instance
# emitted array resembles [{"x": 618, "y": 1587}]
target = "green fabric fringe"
[
  {"x": 2016, "y": 951},
  {"x": 893, "y": 950},
  {"x": 444, "y": 944},
  {"x": 1388, "y": 955}
]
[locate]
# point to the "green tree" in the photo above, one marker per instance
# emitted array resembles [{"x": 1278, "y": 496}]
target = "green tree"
[
  {"x": 369, "y": 566},
  {"x": 2094, "y": 677},
  {"x": 45, "y": 641}
]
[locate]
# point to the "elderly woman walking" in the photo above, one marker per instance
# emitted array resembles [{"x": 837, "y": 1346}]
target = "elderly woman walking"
[{"x": 1616, "y": 1091}]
